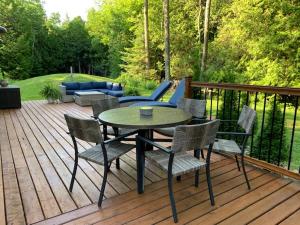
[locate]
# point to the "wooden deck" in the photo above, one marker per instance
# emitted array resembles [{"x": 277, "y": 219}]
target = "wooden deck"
[{"x": 36, "y": 159}]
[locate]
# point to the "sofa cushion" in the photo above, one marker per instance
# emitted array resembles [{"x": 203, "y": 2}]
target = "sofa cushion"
[
  {"x": 115, "y": 93},
  {"x": 71, "y": 85},
  {"x": 70, "y": 92},
  {"x": 109, "y": 85},
  {"x": 85, "y": 85},
  {"x": 99, "y": 85},
  {"x": 116, "y": 87},
  {"x": 102, "y": 90}
]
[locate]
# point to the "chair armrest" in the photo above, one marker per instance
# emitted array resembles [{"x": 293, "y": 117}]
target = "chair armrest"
[
  {"x": 233, "y": 133},
  {"x": 63, "y": 89},
  {"x": 120, "y": 137},
  {"x": 155, "y": 144}
]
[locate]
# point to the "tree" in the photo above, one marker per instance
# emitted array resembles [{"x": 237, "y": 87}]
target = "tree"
[
  {"x": 205, "y": 39},
  {"x": 167, "y": 38},
  {"x": 146, "y": 36}
]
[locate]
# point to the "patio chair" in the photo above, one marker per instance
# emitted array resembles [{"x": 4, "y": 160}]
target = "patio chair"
[
  {"x": 194, "y": 106},
  {"x": 156, "y": 95},
  {"x": 101, "y": 106},
  {"x": 245, "y": 122},
  {"x": 176, "y": 161},
  {"x": 178, "y": 94},
  {"x": 103, "y": 153}
]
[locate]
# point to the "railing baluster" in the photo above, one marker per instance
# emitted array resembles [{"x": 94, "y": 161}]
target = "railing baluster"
[
  {"x": 262, "y": 126},
  {"x": 253, "y": 130},
  {"x": 231, "y": 103},
  {"x": 218, "y": 103},
  {"x": 211, "y": 100},
  {"x": 247, "y": 99},
  {"x": 281, "y": 132},
  {"x": 272, "y": 127},
  {"x": 293, "y": 133},
  {"x": 224, "y": 105},
  {"x": 239, "y": 103}
]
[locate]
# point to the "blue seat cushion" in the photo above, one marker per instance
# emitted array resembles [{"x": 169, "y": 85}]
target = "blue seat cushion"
[
  {"x": 71, "y": 85},
  {"x": 105, "y": 91},
  {"x": 160, "y": 90},
  {"x": 85, "y": 85},
  {"x": 99, "y": 85},
  {"x": 178, "y": 94},
  {"x": 109, "y": 85},
  {"x": 134, "y": 99},
  {"x": 155, "y": 103},
  {"x": 115, "y": 93},
  {"x": 71, "y": 92},
  {"x": 116, "y": 87}
]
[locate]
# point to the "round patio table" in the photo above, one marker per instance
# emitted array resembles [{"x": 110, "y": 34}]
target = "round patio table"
[{"x": 129, "y": 117}]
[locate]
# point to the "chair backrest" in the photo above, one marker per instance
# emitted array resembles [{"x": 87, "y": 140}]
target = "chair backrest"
[
  {"x": 178, "y": 94},
  {"x": 161, "y": 90},
  {"x": 100, "y": 106},
  {"x": 247, "y": 119},
  {"x": 194, "y": 106},
  {"x": 190, "y": 137},
  {"x": 84, "y": 129}
]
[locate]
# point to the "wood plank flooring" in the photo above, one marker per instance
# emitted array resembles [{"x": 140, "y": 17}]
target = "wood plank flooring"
[{"x": 37, "y": 157}]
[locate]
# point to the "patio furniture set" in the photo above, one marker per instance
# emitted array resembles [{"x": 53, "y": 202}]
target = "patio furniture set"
[{"x": 181, "y": 120}]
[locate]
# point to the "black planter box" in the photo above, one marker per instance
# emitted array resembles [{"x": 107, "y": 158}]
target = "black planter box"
[{"x": 10, "y": 97}]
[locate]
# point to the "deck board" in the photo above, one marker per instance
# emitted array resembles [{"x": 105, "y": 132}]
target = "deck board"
[{"x": 37, "y": 157}]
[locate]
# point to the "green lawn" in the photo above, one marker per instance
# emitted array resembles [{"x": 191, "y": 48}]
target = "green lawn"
[{"x": 30, "y": 88}]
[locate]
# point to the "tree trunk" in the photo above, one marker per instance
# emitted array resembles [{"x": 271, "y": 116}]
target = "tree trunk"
[
  {"x": 205, "y": 41},
  {"x": 146, "y": 33},
  {"x": 167, "y": 38},
  {"x": 79, "y": 67},
  {"x": 200, "y": 27}
]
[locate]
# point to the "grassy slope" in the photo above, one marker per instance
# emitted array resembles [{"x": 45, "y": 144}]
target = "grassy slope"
[{"x": 30, "y": 88}]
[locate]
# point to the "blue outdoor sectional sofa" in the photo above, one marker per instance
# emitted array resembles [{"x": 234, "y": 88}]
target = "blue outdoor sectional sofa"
[{"x": 68, "y": 89}]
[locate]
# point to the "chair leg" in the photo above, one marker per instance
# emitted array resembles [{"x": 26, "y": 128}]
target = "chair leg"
[
  {"x": 103, "y": 185},
  {"x": 118, "y": 163},
  {"x": 74, "y": 172},
  {"x": 197, "y": 178},
  {"x": 197, "y": 155},
  {"x": 171, "y": 195},
  {"x": 202, "y": 154},
  {"x": 237, "y": 162},
  {"x": 244, "y": 171},
  {"x": 211, "y": 194}
]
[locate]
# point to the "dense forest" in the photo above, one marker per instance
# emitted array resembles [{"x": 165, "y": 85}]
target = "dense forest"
[{"x": 249, "y": 41}]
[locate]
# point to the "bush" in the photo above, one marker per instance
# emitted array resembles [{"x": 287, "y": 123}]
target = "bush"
[
  {"x": 131, "y": 91},
  {"x": 150, "y": 85},
  {"x": 49, "y": 91}
]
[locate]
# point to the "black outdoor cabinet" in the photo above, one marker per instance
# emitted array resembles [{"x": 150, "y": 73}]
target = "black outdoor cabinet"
[{"x": 10, "y": 97}]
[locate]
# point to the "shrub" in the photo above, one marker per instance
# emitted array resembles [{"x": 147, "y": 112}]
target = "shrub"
[
  {"x": 131, "y": 91},
  {"x": 49, "y": 91},
  {"x": 150, "y": 85}
]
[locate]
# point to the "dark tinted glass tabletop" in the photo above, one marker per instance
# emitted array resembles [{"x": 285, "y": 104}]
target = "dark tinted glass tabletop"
[{"x": 129, "y": 117}]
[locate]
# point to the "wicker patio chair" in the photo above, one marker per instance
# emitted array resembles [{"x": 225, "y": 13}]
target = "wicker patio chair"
[
  {"x": 194, "y": 106},
  {"x": 103, "y": 105},
  {"x": 176, "y": 161},
  {"x": 245, "y": 122},
  {"x": 103, "y": 153}
]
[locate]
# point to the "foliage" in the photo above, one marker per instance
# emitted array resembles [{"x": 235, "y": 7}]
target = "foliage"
[
  {"x": 250, "y": 41},
  {"x": 49, "y": 91},
  {"x": 150, "y": 85},
  {"x": 132, "y": 91},
  {"x": 272, "y": 132}
]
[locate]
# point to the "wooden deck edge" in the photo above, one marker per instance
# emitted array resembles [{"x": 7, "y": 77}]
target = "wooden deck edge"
[
  {"x": 272, "y": 168},
  {"x": 68, "y": 216}
]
